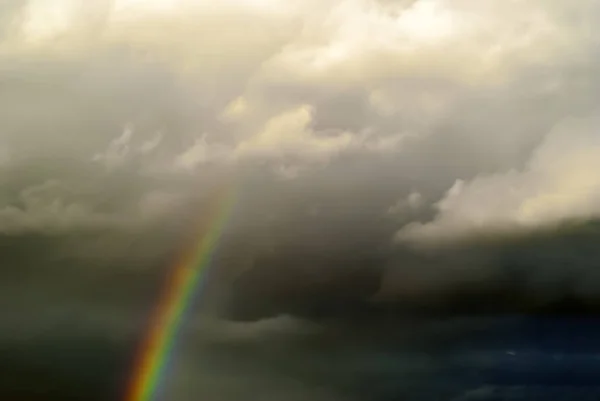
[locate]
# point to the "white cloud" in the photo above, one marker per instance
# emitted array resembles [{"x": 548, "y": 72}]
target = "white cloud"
[
  {"x": 202, "y": 152},
  {"x": 151, "y": 144},
  {"x": 46, "y": 19},
  {"x": 57, "y": 207},
  {"x": 412, "y": 202},
  {"x": 127, "y": 147},
  {"x": 290, "y": 133},
  {"x": 290, "y": 141},
  {"x": 443, "y": 89},
  {"x": 118, "y": 149},
  {"x": 360, "y": 41},
  {"x": 236, "y": 109},
  {"x": 51, "y": 206},
  {"x": 560, "y": 181}
]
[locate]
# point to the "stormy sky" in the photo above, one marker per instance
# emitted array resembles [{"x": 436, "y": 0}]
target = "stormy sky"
[
  {"x": 393, "y": 159},
  {"x": 389, "y": 155}
]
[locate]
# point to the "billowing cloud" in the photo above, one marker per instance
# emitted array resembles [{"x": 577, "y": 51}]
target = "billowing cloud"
[
  {"x": 341, "y": 123},
  {"x": 340, "y": 72},
  {"x": 560, "y": 182}
]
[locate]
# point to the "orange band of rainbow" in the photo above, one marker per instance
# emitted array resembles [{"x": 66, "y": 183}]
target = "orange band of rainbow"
[{"x": 187, "y": 275}]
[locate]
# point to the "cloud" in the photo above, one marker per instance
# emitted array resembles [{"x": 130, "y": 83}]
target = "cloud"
[
  {"x": 328, "y": 114},
  {"x": 117, "y": 151},
  {"x": 397, "y": 75},
  {"x": 48, "y": 207},
  {"x": 268, "y": 329},
  {"x": 412, "y": 202},
  {"x": 289, "y": 141},
  {"x": 559, "y": 182},
  {"x": 361, "y": 41},
  {"x": 290, "y": 134},
  {"x": 320, "y": 84}
]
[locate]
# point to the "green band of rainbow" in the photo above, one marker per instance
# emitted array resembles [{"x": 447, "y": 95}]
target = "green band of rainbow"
[{"x": 176, "y": 301}]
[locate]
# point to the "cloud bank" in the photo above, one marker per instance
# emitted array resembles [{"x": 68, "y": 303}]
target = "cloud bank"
[
  {"x": 354, "y": 131},
  {"x": 559, "y": 182}
]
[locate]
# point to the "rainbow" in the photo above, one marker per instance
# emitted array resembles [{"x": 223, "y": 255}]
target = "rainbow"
[{"x": 186, "y": 276}]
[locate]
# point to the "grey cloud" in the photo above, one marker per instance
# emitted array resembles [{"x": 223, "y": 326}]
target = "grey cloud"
[{"x": 326, "y": 113}]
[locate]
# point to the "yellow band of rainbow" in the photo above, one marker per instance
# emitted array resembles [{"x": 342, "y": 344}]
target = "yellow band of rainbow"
[{"x": 187, "y": 275}]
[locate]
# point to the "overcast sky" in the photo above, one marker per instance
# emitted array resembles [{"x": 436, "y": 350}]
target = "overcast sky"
[{"x": 371, "y": 141}]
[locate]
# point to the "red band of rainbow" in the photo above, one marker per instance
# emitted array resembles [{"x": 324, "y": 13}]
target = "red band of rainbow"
[{"x": 187, "y": 275}]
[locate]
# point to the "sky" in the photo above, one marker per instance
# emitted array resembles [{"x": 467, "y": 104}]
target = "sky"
[
  {"x": 389, "y": 154},
  {"x": 393, "y": 159}
]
